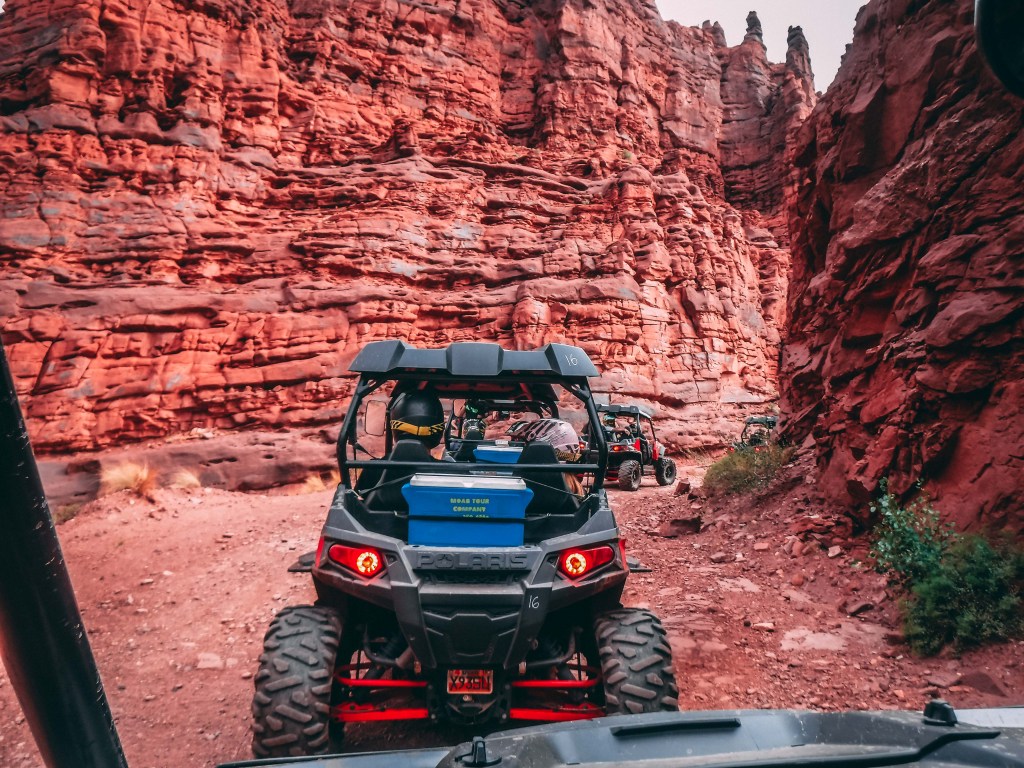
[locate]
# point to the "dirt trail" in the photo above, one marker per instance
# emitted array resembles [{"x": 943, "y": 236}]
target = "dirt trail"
[{"x": 176, "y": 596}]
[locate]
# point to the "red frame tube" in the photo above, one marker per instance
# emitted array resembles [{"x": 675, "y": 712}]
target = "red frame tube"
[
  {"x": 566, "y": 684},
  {"x": 351, "y": 712},
  {"x": 561, "y": 714},
  {"x": 368, "y": 713},
  {"x": 362, "y": 682}
]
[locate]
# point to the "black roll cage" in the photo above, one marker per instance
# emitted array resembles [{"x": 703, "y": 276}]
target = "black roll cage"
[{"x": 369, "y": 383}]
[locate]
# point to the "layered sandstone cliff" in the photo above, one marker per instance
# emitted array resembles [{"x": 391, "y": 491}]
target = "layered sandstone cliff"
[
  {"x": 904, "y": 356},
  {"x": 209, "y": 207}
]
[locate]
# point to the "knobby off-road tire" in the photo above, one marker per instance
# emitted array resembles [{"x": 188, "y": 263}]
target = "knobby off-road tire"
[
  {"x": 630, "y": 475},
  {"x": 665, "y": 471},
  {"x": 636, "y": 663},
  {"x": 292, "y": 705}
]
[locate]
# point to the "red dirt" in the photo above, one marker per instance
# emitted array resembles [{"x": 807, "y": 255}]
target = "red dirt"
[{"x": 191, "y": 581}]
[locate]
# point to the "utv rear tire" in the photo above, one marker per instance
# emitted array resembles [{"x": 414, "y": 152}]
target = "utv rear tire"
[
  {"x": 291, "y": 709},
  {"x": 665, "y": 471},
  {"x": 630, "y": 475},
  {"x": 636, "y": 663}
]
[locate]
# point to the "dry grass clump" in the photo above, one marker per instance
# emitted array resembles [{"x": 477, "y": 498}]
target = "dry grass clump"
[
  {"x": 65, "y": 512},
  {"x": 143, "y": 481},
  {"x": 697, "y": 456},
  {"x": 315, "y": 483},
  {"x": 184, "y": 480},
  {"x": 128, "y": 476}
]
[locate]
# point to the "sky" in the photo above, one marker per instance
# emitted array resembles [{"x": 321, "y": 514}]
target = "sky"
[{"x": 828, "y": 25}]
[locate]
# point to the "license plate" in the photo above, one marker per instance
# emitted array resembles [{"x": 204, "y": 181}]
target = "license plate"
[{"x": 471, "y": 681}]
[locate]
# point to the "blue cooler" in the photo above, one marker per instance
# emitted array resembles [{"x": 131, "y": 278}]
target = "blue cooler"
[
  {"x": 466, "y": 511},
  {"x": 497, "y": 454}
]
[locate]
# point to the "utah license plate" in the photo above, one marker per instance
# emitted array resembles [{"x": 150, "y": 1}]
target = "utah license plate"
[{"x": 472, "y": 681}]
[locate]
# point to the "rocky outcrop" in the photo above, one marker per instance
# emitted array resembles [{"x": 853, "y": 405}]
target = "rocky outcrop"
[
  {"x": 209, "y": 208},
  {"x": 249, "y": 460},
  {"x": 904, "y": 356},
  {"x": 763, "y": 107}
]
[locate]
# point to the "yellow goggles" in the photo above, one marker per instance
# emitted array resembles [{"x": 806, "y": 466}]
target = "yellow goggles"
[{"x": 412, "y": 429}]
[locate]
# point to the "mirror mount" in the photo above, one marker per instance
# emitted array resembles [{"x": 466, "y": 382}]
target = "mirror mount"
[{"x": 375, "y": 418}]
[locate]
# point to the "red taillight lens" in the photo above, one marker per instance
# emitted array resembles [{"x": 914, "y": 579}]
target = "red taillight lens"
[
  {"x": 366, "y": 561},
  {"x": 575, "y": 563},
  {"x": 617, "y": 448}
]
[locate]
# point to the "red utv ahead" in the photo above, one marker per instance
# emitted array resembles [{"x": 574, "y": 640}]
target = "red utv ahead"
[{"x": 633, "y": 447}]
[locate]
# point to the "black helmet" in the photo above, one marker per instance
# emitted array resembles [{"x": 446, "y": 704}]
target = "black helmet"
[{"x": 418, "y": 414}]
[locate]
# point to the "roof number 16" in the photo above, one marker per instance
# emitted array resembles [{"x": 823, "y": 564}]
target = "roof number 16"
[{"x": 571, "y": 360}]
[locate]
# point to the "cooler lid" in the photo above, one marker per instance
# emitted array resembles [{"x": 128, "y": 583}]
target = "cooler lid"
[{"x": 475, "y": 482}]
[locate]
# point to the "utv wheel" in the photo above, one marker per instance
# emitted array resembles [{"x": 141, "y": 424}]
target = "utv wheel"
[
  {"x": 665, "y": 471},
  {"x": 291, "y": 708},
  {"x": 630, "y": 475},
  {"x": 636, "y": 663}
]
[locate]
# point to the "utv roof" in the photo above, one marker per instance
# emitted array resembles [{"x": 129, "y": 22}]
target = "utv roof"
[
  {"x": 632, "y": 410},
  {"x": 472, "y": 359},
  {"x": 765, "y": 421}
]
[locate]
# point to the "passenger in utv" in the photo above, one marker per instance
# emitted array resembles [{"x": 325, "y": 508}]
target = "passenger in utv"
[
  {"x": 417, "y": 424},
  {"x": 551, "y": 441}
]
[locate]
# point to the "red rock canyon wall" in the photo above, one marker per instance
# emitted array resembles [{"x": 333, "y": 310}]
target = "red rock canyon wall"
[
  {"x": 210, "y": 206},
  {"x": 904, "y": 355}
]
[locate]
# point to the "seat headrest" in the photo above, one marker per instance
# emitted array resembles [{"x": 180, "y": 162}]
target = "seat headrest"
[
  {"x": 410, "y": 450},
  {"x": 538, "y": 453}
]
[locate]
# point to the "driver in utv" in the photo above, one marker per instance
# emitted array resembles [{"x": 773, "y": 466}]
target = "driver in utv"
[
  {"x": 416, "y": 419},
  {"x": 418, "y": 414}
]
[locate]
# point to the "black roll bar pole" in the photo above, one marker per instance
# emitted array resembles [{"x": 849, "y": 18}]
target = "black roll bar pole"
[{"x": 42, "y": 639}]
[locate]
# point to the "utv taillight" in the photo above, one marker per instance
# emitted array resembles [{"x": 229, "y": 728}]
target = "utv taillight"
[
  {"x": 366, "y": 561},
  {"x": 575, "y": 563},
  {"x": 616, "y": 448}
]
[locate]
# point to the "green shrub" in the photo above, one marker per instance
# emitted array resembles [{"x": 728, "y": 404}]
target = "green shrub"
[
  {"x": 973, "y": 598},
  {"x": 909, "y": 541},
  {"x": 961, "y": 591},
  {"x": 746, "y": 470}
]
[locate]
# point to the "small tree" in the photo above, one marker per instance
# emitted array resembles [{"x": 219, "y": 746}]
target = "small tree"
[
  {"x": 959, "y": 590},
  {"x": 909, "y": 541}
]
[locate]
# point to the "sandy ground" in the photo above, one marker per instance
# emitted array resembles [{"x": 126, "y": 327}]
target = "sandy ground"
[{"x": 176, "y": 596}]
